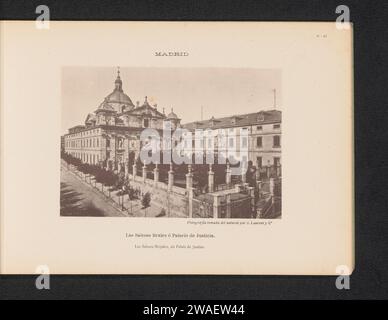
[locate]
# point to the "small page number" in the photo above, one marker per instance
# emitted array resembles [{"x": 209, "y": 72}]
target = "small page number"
[{"x": 322, "y": 36}]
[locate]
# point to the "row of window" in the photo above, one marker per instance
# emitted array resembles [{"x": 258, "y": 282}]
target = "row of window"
[
  {"x": 259, "y": 142},
  {"x": 84, "y": 143},
  {"x": 85, "y": 157},
  {"x": 84, "y": 133},
  {"x": 210, "y": 132},
  {"x": 260, "y": 128},
  {"x": 260, "y": 163},
  {"x": 244, "y": 142},
  {"x": 275, "y": 142},
  {"x": 94, "y": 143}
]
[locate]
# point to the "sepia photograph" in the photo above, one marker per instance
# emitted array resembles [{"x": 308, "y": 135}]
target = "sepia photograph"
[{"x": 171, "y": 142}]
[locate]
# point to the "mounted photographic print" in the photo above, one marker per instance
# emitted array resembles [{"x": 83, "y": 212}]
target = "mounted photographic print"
[
  {"x": 181, "y": 150},
  {"x": 176, "y": 148}
]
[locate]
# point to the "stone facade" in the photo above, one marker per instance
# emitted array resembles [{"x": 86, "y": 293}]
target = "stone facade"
[
  {"x": 111, "y": 134},
  {"x": 263, "y": 131}
]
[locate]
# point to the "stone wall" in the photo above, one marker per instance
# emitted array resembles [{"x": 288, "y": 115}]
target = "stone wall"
[
  {"x": 174, "y": 202},
  {"x": 237, "y": 206}
]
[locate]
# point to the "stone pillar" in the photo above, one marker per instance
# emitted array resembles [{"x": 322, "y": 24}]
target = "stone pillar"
[
  {"x": 189, "y": 188},
  {"x": 258, "y": 173},
  {"x": 189, "y": 179},
  {"x": 191, "y": 195},
  {"x": 126, "y": 168},
  {"x": 216, "y": 206},
  {"x": 228, "y": 206},
  {"x": 144, "y": 172},
  {"x": 134, "y": 170},
  {"x": 156, "y": 174},
  {"x": 228, "y": 178},
  {"x": 272, "y": 189},
  {"x": 119, "y": 167},
  {"x": 243, "y": 173},
  {"x": 259, "y": 185},
  {"x": 211, "y": 179},
  {"x": 170, "y": 178},
  {"x": 251, "y": 192}
]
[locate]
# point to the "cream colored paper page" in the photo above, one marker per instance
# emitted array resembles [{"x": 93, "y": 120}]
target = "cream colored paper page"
[{"x": 51, "y": 79}]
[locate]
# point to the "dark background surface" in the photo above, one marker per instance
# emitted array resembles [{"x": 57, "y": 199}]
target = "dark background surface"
[{"x": 370, "y": 279}]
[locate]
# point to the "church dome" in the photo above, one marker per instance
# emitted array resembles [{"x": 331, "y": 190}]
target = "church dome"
[{"x": 118, "y": 95}]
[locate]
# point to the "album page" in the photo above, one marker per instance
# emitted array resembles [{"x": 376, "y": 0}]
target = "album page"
[{"x": 176, "y": 148}]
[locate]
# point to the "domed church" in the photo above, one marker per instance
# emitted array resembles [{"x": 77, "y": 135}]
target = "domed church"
[{"x": 111, "y": 134}]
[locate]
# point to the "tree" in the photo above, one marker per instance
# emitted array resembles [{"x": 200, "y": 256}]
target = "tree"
[
  {"x": 110, "y": 180},
  {"x": 120, "y": 180},
  {"x": 71, "y": 160},
  {"x": 100, "y": 177},
  {"x": 146, "y": 200}
]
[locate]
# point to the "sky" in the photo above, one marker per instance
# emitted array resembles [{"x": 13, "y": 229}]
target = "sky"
[{"x": 220, "y": 92}]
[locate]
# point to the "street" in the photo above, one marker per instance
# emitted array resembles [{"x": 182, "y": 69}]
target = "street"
[{"x": 80, "y": 199}]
